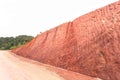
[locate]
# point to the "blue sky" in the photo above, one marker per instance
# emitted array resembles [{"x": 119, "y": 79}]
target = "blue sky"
[{"x": 30, "y": 17}]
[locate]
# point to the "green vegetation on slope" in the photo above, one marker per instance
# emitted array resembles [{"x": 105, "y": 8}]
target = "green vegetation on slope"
[{"x": 7, "y": 43}]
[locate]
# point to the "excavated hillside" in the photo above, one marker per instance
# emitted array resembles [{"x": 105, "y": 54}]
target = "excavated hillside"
[{"x": 89, "y": 45}]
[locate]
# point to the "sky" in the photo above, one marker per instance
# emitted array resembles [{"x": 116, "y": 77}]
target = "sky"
[{"x": 30, "y": 17}]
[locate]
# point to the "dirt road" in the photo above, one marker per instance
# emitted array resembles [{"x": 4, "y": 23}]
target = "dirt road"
[{"x": 13, "y": 67}]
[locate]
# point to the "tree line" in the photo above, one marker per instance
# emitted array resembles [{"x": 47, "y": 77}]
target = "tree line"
[{"x": 7, "y": 43}]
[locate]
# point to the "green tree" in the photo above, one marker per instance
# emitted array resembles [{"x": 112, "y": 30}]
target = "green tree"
[{"x": 7, "y": 43}]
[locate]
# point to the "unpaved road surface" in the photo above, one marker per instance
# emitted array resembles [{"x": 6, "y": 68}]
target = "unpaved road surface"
[{"x": 13, "y": 67}]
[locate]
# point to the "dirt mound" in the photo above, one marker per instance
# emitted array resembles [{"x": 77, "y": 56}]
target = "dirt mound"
[{"x": 89, "y": 45}]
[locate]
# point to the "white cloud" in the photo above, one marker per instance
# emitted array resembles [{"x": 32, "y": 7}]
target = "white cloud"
[{"x": 33, "y": 16}]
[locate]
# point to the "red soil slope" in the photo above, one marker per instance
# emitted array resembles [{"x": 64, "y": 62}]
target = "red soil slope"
[{"x": 89, "y": 45}]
